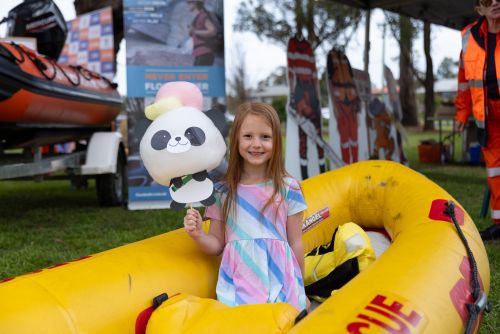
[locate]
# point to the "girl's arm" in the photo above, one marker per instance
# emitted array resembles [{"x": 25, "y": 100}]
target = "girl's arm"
[
  {"x": 294, "y": 236},
  {"x": 211, "y": 243}
]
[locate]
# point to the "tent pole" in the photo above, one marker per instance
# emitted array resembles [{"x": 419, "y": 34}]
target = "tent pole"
[{"x": 367, "y": 39}]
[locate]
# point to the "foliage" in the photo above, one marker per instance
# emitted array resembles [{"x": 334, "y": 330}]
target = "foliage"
[
  {"x": 237, "y": 82},
  {"x": 324, "y": 21},
  {"x": 279, "y": 103},
  {"x": 405, "y": 31},
  {"x": 277, "y": 78},
  {"x": 448, "y": 69}
]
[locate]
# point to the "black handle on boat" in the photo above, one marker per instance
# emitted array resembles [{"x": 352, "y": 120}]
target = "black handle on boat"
[{"x": 158, "y": 300}]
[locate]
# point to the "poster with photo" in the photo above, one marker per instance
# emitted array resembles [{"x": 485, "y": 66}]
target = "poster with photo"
[
  {"x": 347, "y": 127},
  {"x": 166, "y": 41},
  {"x": 364, "y": 88},
  {"x": 395, "y": 112},
  {"x": 304, "y": 157},
  {"x": 169, "y": 40}
]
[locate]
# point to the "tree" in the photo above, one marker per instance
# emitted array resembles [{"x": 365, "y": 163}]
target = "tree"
[
  {"x": 429, "y": 79},
  {"x": 405, "y": 31},
  {"x": 448, "y": 69},
  {"x": 238, "y": 86},
  {"x": 277, "y": 78},
  {"x": 322, "y": 21}
]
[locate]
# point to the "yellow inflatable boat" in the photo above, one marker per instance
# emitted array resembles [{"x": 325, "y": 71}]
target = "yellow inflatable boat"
[{"x": 420, "y": 284}]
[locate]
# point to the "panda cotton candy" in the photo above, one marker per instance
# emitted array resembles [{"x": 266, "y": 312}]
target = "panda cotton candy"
[{"x": 182, "y": 145}]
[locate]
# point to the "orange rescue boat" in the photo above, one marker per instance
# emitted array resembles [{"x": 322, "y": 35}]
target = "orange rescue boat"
[{"x": 38, "y": 94}]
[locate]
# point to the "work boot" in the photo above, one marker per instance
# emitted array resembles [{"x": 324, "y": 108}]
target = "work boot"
[{"x": 491, "y": 233}]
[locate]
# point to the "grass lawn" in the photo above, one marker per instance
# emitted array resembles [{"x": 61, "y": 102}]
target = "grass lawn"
[{"x": 42, "y": 224}]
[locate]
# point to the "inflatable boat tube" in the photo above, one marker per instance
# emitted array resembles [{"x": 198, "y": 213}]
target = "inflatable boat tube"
[{"x": 420, "y": 284}]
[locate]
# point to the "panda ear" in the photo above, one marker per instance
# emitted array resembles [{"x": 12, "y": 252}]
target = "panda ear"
[{"x": 217, "y": 116}]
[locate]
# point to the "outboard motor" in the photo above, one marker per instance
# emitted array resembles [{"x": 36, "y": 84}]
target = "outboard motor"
[{"x": 42, "y": 20}]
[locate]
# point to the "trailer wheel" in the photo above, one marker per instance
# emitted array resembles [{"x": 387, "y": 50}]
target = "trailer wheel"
[{"x": 111, "y": 187}]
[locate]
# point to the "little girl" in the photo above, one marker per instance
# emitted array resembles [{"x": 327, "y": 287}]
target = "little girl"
[{"x": 256, "y": 222}]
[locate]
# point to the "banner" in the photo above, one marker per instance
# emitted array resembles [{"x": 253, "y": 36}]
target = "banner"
[
  {"x": 90, "y": 42},
  {"x": 165, "y": 43},
  {"x": 347, "y": 127},
  {"x": 365, "y": 132},
  {"x": 304, "y": 157},
  {"x": 395, "y": 113}
]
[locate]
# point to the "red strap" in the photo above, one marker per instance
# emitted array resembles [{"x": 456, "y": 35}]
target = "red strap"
[{"x": 142, "y": 320}]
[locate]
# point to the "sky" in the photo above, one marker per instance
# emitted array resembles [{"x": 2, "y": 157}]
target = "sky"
[{"x": 262, "y": 57}]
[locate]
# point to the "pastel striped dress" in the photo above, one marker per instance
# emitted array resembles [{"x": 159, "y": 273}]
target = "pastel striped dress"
[{"x": 258, "y": 266}]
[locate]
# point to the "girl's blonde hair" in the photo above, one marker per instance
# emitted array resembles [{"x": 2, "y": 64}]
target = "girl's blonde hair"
[{"x": 275, "y": 167}]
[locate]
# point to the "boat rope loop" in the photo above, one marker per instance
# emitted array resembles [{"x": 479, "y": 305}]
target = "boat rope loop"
[
  {"x": 36, "y": 61},
  {"x": 7, "y": 54},
  {"x": 79, "y": 70},
  {"x": 480, "y": 298}
]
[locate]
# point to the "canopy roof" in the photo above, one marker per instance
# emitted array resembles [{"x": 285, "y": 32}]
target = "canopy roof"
[{"x": 452, "y": 14}]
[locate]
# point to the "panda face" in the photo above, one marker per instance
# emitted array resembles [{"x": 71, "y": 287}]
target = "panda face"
[
  {"x": 162, "y": 139},
  {"x": 181, "y": 142}
]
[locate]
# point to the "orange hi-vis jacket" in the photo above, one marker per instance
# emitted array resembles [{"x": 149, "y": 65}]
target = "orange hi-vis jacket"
[{"x": 471, "y": 96}]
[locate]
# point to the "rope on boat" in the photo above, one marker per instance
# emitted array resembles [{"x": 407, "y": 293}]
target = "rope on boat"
[
  {"x": 79, "y": 70},
  {"x": 480, "y": 298}
]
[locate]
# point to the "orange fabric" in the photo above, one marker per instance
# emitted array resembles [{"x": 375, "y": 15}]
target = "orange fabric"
[
  {"x": 471, "y": 96},
  {"x": 347, "y": 125},
  {"x": 492, "y": 154}
]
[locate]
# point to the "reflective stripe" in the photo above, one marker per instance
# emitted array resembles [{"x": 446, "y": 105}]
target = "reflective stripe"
[
  {"x": 302, "y": 70},
  {"x": 462, "y": 87},
  {"x": 301, "y": 56},
  {"x": 492, "y": 172},
  {"x": 495, "y": 214},
  {"x": 480, "y": 124},
  {"x": 476, "y": 83},
  {"x": 461, "y": 63},
  {"x": 465, "y": 40}
]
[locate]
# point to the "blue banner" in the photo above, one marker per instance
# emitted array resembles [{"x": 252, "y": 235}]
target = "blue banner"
[
  {"x": 147, "y": 80},
  {"x": 167, "y": 41},
  {"x": 151, "y": 193}
]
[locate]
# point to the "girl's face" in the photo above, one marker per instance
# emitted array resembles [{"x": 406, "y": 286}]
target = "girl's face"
[{"x": 255, "y": 141}]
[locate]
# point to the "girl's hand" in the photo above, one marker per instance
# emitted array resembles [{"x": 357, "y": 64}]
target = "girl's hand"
[{"x": 192, "y": 223}]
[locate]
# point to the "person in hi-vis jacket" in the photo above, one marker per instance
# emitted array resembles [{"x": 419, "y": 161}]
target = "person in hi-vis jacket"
[{"x": 479, "y": 95}]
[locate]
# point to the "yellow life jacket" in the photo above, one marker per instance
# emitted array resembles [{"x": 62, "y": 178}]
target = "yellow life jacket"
[{"x": 329, "y": 267}]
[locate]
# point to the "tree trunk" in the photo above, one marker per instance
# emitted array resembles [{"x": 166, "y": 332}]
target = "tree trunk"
[
  {"x": 429, "y": 79},
  {"x": 85, "y": 6},
  {"x": 406, "y": 83},
  {"x": 299, "y": 16},
  {"x": 311, "y": 34}
]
